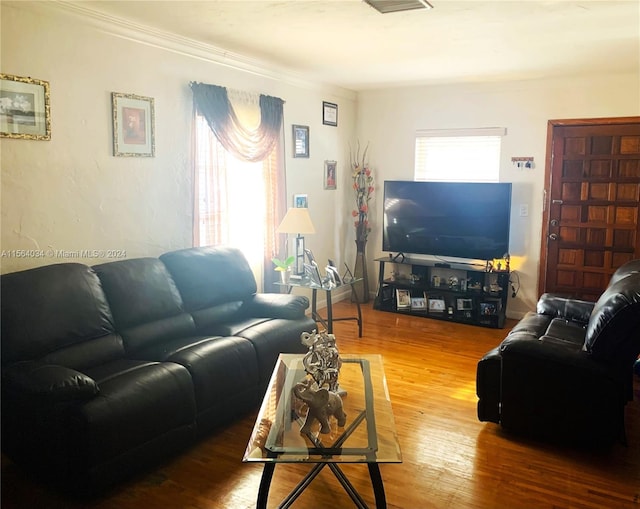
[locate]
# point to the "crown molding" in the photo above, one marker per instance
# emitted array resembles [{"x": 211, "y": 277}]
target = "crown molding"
[{"x": 149, "y": 36}]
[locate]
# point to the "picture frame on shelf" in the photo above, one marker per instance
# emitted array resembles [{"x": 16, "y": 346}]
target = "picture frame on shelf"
[
  {"x": 330, "y": 175},
  {"x": 418, "y": 303},
  {"x": 25, "y": 110},
  {"x": 312, "y": 273},
  {"x": 488, "y": 309},
  {"x": 133, "y": 118},
  {"x": 310, "y": 256},
  {"x": 436, "y": 305},
  {"x": 403, "y": 299},
  {"x": 329, "y": 113},
  {"x": 300, "y": 201},
  {"x": 335, "y": 275},
  {"x": 300, "y": 140}
]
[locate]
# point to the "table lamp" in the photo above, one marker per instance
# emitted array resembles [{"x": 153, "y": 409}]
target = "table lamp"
[{"x": 298, "y": 221}]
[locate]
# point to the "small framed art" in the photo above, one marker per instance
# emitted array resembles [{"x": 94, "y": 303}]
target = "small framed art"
[
  {"x": 418, "y": 303},
  {"x": 133, "y": 125},
  {"x": 403, "y": 299},
  {"x": 436, "y": 305},
  {"x": 24, "y": 108},
  {"x": 300, "y": 141},
  {"x": 300, "y": 201},
  {"x": 329, "y": 113},
  {"x": 312, "y": 273},
  {"x": 330, "y": 181}
]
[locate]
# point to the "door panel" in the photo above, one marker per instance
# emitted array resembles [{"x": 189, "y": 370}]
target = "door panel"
[{"x": 591, "y": 221}]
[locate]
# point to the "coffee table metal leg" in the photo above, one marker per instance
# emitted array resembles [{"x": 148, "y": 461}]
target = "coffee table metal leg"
[
  {"x": 378, "y": 487},
  {"x": 348, "y": 487},
  {"x": 302, "y": 485},
  {"x": 265, "y": 484}
]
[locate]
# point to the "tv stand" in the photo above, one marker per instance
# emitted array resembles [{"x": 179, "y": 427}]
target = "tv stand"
[{"x": 444, "y": 291}]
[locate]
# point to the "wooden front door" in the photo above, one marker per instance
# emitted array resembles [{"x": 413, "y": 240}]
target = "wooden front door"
[{"x": 591, "y": 221}]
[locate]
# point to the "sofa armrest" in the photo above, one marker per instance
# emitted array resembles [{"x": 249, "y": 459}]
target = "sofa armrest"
[
  {"x": 557, "y": 306},
  {"x": 50, "y": 382},
  {"x": 276, "y": 305}
]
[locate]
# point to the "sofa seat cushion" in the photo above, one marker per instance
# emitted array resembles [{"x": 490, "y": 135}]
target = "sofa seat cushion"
[
  {"x": 219, "y": 366},
  {"x": 571, "y": 332},
  {"x": 233, "y": 328},
  {"x": 272, "y": 337},
  {"x": 138, "y": 402}
]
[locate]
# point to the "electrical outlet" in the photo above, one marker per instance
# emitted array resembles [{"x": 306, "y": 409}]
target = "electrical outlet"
[{"x": 524, "y": 210}]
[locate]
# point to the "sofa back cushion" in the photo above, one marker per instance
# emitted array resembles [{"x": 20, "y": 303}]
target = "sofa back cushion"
[
  {"x": 613, "y": 332},
  {"x": 146, "y": 305},
  {"x": 210, "y": 276},
  {"x": 59, "y": 312}
]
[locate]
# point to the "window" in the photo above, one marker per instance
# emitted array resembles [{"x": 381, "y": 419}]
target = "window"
[
  {"x": 231, "y": 197},
  {"x": 458, "y": 155}
]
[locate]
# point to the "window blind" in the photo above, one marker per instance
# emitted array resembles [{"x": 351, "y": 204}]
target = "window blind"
[{"x": 458, "y": 155}]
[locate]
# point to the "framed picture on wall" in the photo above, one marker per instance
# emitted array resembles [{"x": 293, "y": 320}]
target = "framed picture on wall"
[
  {"x": 24, "y": 108},
  {"x": 300, "y": 141},
  {"x": 329, "y": 113},
  {"x": 133, "y": 125},
  {"x": 330, "y": 177},
  {"x": 300, "y": 201}
]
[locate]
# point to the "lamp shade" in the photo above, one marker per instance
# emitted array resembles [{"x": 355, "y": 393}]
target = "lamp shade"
[{"x": 296, "y": 220}]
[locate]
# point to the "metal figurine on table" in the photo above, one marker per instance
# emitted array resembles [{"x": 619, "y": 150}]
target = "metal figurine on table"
[{"x": 322, "y": 361}]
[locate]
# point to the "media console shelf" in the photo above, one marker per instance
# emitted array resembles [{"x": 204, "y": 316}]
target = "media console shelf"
[{"x": 455, "y": 292}]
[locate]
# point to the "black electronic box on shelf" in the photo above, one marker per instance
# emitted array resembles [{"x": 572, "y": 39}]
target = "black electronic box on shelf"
[{"x": 445, "y": 291}]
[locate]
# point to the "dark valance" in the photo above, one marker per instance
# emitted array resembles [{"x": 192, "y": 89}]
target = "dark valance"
[{"x": 252, "y": 145}]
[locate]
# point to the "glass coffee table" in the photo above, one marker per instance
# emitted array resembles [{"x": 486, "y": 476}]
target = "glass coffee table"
[{"x": 369, "y": 435}]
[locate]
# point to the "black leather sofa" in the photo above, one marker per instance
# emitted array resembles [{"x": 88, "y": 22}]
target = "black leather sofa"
[
  {"x": 565, "y": 372},
  {"x": 106, "y": 370}
]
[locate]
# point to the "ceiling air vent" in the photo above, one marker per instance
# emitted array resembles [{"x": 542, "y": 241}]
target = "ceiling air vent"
[{"x": 386, "y": 6}]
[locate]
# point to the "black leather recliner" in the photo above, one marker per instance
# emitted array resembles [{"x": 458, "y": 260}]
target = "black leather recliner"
[
  {"x": 108, "y": 369},
  {"x": 565, "y": 372}
]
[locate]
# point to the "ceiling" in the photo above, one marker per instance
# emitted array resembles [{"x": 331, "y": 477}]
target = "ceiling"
[{"x": 349, "y": 44}]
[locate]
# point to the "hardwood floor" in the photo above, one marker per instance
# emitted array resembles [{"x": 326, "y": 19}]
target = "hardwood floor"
[{"x": 451, "y": 460}]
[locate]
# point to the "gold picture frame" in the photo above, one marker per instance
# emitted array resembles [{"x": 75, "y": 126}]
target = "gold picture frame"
[
  {"x": 24, "y": 108},
  {"x": 133, "y": 125}
]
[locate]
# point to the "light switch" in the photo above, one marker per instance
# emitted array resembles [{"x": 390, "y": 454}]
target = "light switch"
[{"x": 524, "y": 210}]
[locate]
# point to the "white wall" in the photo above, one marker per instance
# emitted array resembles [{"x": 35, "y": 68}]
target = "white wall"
[
  {"x": 71, "y": 194},
  {"x": 388, "y": 119}
]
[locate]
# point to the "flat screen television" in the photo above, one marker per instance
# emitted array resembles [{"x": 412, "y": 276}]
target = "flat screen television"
[{"x": 456, "y": 219}]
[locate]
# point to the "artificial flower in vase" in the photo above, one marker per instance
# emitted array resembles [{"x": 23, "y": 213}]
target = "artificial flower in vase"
[{"x": 363, "y": 188}]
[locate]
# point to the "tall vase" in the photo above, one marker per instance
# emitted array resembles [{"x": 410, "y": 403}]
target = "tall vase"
[{"x": 360, "y": 272}]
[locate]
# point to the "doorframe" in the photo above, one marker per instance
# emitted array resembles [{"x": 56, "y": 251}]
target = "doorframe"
[{"x": 546, "y": 190}]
